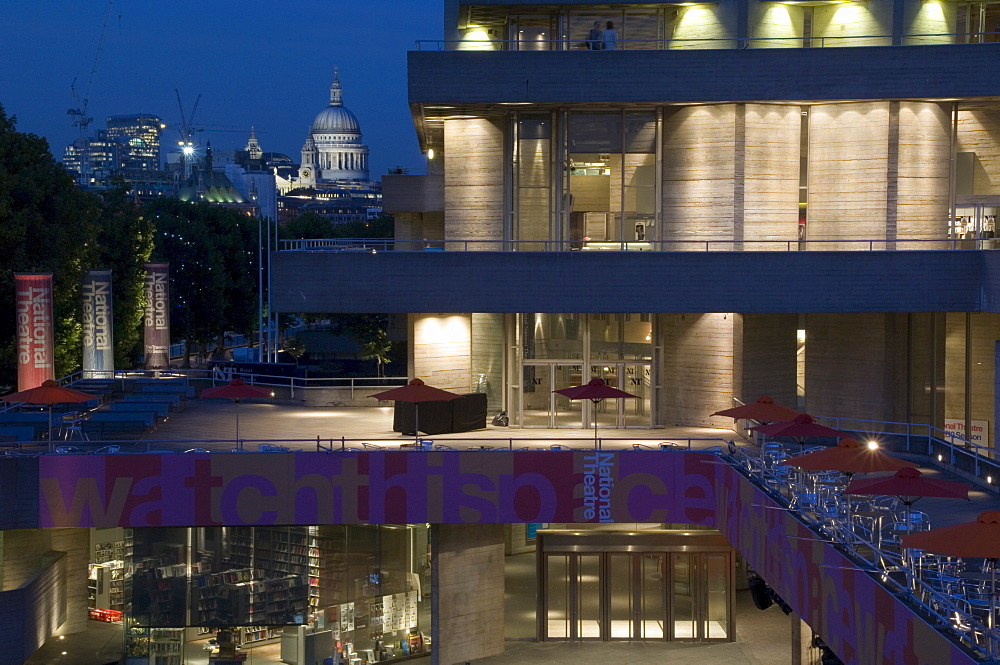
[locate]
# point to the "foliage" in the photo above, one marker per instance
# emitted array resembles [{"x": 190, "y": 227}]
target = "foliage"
[
  {"x": 378, "y": 349},
  {"x": 306, "y": 225},
  {"x": 294, "y": 347},
  {"x": 212, "y": 252},
  {"x": 47, "y": 225},
  {"x": 124, "y": 244}
]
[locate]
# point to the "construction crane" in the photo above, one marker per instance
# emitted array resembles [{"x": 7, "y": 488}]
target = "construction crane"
[
  {"x": 79, "y": 112},
  {"x": 186, "y": 126}
]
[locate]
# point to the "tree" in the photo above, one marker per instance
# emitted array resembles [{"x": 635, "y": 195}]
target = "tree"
[
  {"x": 47, "y": 224},
  {"x": 378, "y": 350},
  {"x": 212, "y": 253},
  {"x": 307, "y": 225},
  {"x": 294, "y": 347},
  {"x": 124, "y": 244}
]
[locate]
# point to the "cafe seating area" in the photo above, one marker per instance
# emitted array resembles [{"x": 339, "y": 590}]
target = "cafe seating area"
[{"x": 957, "y": 592}]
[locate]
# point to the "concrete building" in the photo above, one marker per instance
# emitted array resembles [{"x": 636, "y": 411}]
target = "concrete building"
[{"x": 738, "y": 199}]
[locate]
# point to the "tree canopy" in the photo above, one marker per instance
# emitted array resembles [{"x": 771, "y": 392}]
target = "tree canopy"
[
  {"x": 49, "y": 225},
  {"x": 212, "y": 252}
]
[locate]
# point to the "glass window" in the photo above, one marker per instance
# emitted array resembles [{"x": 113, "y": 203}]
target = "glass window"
[
  {"x": 611, "y": 178},
  {"x": 534, "y": 146}
]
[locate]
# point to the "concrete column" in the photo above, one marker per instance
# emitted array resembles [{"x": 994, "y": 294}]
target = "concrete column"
[
  {"x": 697, "y": 366},
  {"x": 699, "y": 173},
  {"x": 924, "y": 170},
  {"x": 771, "y": 173},
  {"x": 474, "y": 181},
  {"x": 467, "y": 565},
  {"x": 768, "y": 358},
  {"x": 847, "y": 171},
  {"x": 856, "y": 364},
  {"x": 440, "y": 350},
  {"x": 487, "y": 356}
]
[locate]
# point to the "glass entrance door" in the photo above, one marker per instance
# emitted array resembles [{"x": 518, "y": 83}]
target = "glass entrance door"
[
  {"x": 542, "y": 406},
  {"x": 644, "y": 595},
  {"x": 632, "y": 378}
]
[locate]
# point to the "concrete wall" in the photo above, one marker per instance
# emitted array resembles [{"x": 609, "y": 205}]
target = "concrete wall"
[
  {"x": 979, "y": 132},
  {"x": 854, "y": 366},
  {"x": 45, "y": 575},
  {"x": 702, "y": 75},
  {"x": 698, "y": 172},
  {"x": 768, "y": 357},
  {"x": 693, "y": 281},
  {"x": 985, "y": 333},
  {"x": 847, "y": 170},
  {"x": 468, "y": 592},
  {"x": 440, "y": 347},
  {"x": 697, "y": 372},
  {"x": 487, "y": 357},
  {"x": 35, "y": 610},
  {"x": 473, "y": 180},
  {"x": 770, "y": 172},
  {"x": 923, "y": 170}
]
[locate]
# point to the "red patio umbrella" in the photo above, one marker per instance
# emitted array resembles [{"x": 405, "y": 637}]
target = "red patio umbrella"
[
  {"x": 595, "y": 390},
  {"x": 909, "y": 486},
  {"x": 764, "y": 410},
  {"x": 236, "y": 390},
  {"x": 416, "y": 392},
  {"x": 848, "y": 456},
  {"x": 979, "y": 539},
  {"x": 800, "y": 428},
  {"x": 48, "y": 394}
]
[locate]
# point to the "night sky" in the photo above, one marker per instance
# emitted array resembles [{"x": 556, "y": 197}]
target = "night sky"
[{"x": 254, "y": 62}]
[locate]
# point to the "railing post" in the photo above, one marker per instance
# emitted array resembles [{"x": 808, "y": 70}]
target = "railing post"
[{"x": 343, "y": 444}]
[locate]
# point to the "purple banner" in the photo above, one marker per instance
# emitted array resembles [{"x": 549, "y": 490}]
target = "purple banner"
[
  {"x": 380, "y": 487},
  {"x": 156, "y": 319},
  {"x": 98, "y": 337},
  {"x": 35, "y": 330}
]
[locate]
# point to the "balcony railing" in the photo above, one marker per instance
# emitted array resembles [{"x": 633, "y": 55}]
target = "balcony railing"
[
  {"x": 376, "y": 245},
  {"x": 921, "y": 39}
]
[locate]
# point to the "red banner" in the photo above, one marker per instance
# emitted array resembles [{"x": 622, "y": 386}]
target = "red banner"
[
  {"x": 35, "y": 331},
  {"x": 156, "y": 319}
]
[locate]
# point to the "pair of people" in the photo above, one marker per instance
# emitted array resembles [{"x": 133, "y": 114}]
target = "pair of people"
[{"x": 602, "y": 40}]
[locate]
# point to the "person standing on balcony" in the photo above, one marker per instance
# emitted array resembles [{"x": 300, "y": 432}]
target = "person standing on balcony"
[
  {"x": 595, "y": 38},
  {"x": 609, "y": 37}
]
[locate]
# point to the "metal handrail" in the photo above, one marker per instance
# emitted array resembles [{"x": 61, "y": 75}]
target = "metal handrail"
[
  {"x": 947, "y": 38},
  {"x": 916, "y": 592},
  {"x": 376, "y": 245}
]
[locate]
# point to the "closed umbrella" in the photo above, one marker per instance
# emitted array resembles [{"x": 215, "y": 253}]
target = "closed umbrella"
[
  {"x": 416, "y": 392},
  {"x": 48, "y": 394},
  {"x": 595, "y": 390},
  {"x": 236, "y": 390}
]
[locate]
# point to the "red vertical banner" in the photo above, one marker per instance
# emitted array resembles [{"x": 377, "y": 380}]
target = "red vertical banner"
[
  {"x": 156, "y": 319},
  {"x": 35, "y": 330}
]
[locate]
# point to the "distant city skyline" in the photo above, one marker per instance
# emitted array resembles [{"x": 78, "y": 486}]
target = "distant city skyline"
[{"x": 255, "y": 64}]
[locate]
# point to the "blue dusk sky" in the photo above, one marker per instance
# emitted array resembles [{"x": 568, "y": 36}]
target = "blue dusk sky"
[{"x": 255, "y": 63}]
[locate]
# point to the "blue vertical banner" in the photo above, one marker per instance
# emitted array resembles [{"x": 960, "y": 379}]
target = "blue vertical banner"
[{"x": 98, "y": 335}]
